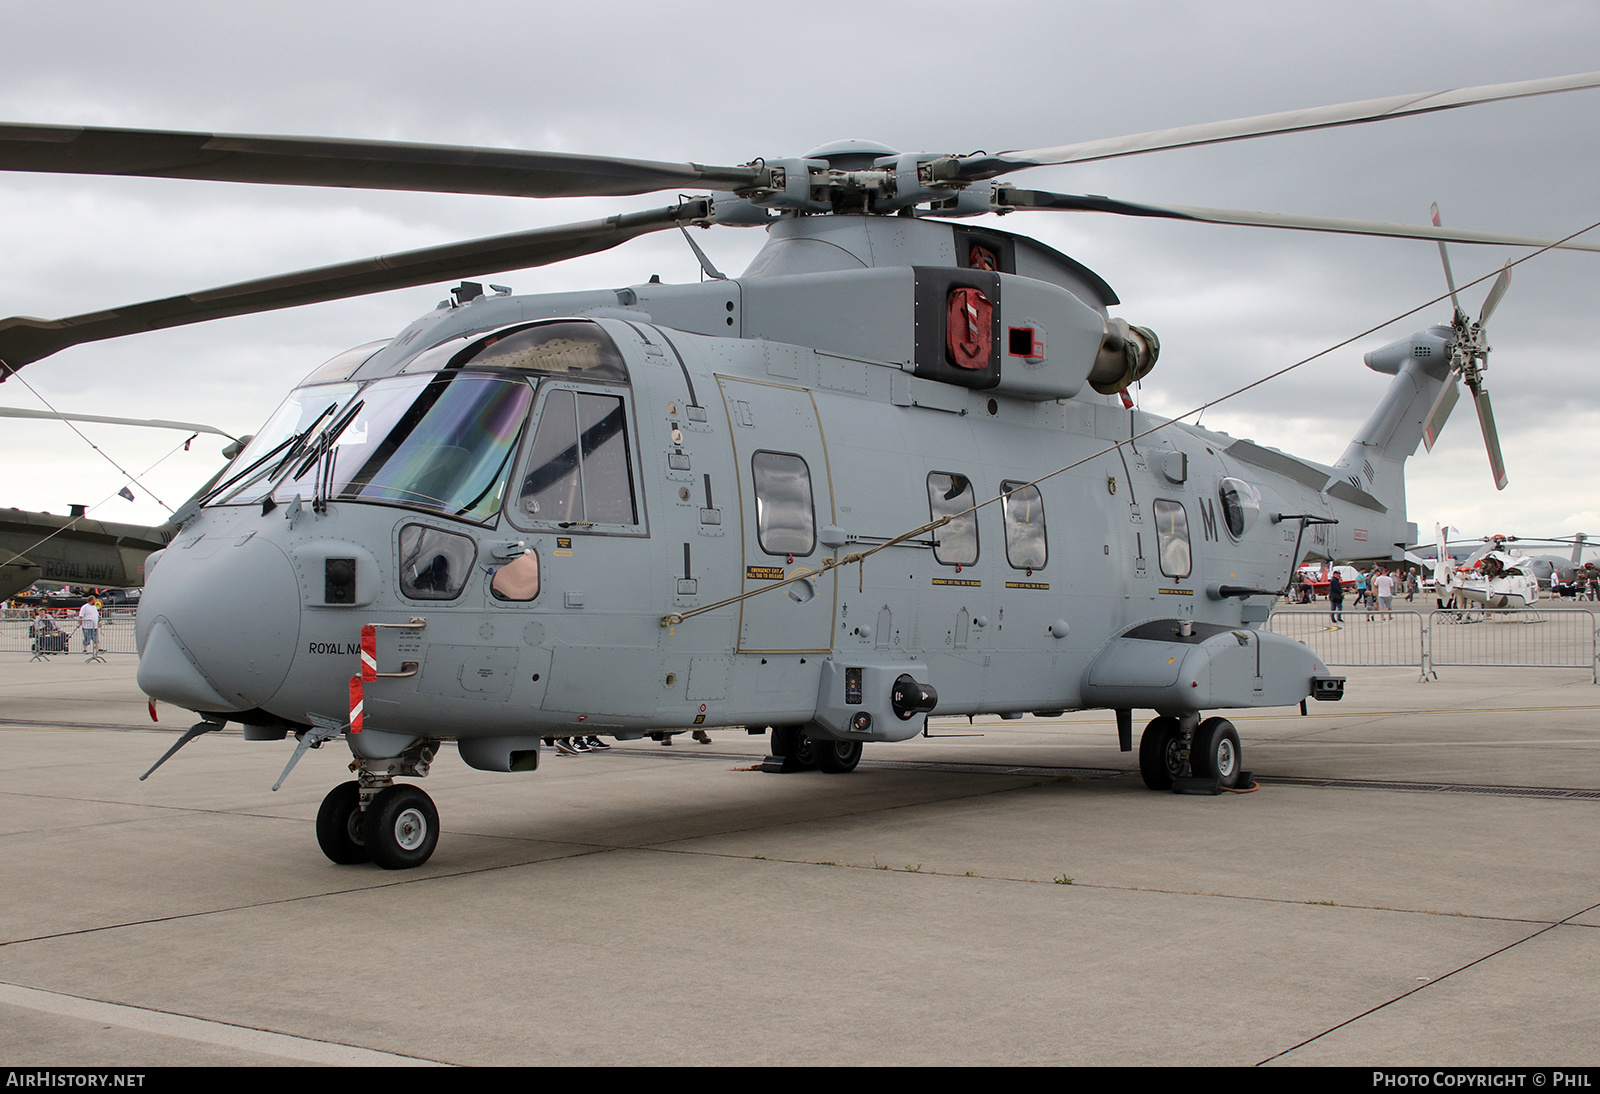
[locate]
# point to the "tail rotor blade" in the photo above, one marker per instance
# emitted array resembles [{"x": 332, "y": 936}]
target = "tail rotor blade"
[
  {"x": 1492, "y": 301},
  {"x": 1444, "y": 256},
  {"x": 1442, "y": 405},
  {"x": 1491, "y": 439}
]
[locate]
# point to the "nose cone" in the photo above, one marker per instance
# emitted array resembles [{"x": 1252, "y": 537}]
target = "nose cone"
[{"x": 219, "y": 620}]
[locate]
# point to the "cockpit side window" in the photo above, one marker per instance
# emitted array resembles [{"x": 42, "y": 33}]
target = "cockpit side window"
[{"x": 579, "y": 470}]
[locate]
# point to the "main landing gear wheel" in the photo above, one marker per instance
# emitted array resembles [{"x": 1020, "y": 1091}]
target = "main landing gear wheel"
[
  {"x": 793, "y": 744},
  {"x": 838, "y": 757},
  {"x": 1215, "y": 752},
  {"x": 401, "y": 828},
  {"x": 339, "y": 823},
  {"x": 1161, "y": 753}
]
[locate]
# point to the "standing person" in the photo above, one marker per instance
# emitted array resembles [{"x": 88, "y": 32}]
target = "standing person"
[
  {"x": 1383, "y": 586},
  {"x": 1335, "y": 597},
  {"x": 89, "y": 621}
]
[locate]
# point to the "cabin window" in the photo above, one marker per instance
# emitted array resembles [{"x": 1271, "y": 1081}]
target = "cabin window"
[
  {"x": 1172, "y": 538},
  {"x": 785, "y": 512},
  {"x": 1026, "y": 547},
  {"x": 579, "y": 470},
  {"x": 950, "y": 495},
  {"x": 434, "y": 564}
]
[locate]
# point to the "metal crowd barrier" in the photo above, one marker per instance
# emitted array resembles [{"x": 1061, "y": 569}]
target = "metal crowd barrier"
[
  {"x": 1355, "y": 641},
  {"x": 116, "y": 633},
  {"x": 1527, "y": 638},
  {"x": 1458, "y": 637}
]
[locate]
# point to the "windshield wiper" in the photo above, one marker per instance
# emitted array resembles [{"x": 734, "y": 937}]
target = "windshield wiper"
[{"x": 327, "y": 437}]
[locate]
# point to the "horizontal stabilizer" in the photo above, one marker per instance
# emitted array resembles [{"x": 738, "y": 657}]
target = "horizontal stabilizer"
[{"x": 1344, "y": 491}]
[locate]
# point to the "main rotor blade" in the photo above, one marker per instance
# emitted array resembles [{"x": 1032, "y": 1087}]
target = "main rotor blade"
[
  {"x": 23, "y": 339},
  {"x": 1491, "y": 439},
  {"x": 981, "y": 166},
  {"x": 1012, "y": 198},
  {"x": 150, "y": 423},
  {"x": 1496, "y": 291},
  {"x": 322, "y": 161},
  {"x": 1443, "y": 404}
]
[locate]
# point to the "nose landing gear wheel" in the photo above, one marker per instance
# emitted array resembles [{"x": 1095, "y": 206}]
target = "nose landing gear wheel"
[
  {"x": 1215, "y": 753},
  {"x": 339, "y": 826},
  {"x": 838, "y": 757},
  {"x": 401, "y": 828},
  {"x": 1161, "y": 753}
]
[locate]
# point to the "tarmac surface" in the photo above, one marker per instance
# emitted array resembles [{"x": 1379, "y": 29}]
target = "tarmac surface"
[{"x": 1414, "y": 883}]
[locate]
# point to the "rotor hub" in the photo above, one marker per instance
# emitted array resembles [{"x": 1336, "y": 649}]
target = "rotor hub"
[{"x": 852, "y": 154}]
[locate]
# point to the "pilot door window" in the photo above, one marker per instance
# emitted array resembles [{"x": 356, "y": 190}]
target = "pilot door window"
[
  {"x": 579, "y": 472},
  {"x": 786, "y": 522},
  {"x": 1172, "y": 538},
  {"x": 1026, "y": 545},
  {"x": 949, "y": 495}
]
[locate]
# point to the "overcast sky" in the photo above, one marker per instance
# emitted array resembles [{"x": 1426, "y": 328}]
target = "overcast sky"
[{"x": 726, "y": 83}]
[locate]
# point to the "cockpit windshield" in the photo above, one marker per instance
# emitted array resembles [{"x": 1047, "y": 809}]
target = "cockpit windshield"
[
  {"x": 440, "y": 442},
  {"x": 284, "y": 437},
  {"x": 441, "y": 435}
]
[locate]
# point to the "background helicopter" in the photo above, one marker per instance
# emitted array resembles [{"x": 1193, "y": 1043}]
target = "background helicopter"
[
  {"x": 1502, "y": 573},
  {"x": 844, "y": 187},
  {"x": 1496, "y": 575},
  {"x": 76, "y": 548}
]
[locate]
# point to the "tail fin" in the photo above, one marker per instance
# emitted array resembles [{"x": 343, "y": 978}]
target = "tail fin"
[{"x": 1371, "y": 473}]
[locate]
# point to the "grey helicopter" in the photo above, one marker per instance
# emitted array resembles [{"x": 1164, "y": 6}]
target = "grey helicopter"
[{"x": 891, "y": 468}]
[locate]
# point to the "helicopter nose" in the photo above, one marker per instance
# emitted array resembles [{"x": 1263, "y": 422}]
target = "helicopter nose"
[{"x": 218, "y": 623}]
